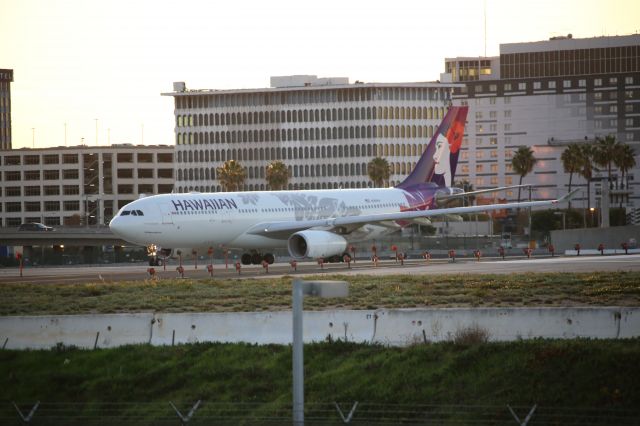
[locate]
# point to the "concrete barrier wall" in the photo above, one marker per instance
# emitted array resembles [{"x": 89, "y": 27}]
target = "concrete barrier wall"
[
  {"x": 404, "y": 326},
  {"x": 41, "y": 332},
  {"x": 396, "y": 327},
  {"x": 260, "y": 327}
]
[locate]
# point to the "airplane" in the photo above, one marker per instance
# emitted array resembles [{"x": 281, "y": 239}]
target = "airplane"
[{"x": 309, "y": 223}]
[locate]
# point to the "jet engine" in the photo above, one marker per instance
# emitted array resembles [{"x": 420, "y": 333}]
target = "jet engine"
[{"x": 315, "y": 244}]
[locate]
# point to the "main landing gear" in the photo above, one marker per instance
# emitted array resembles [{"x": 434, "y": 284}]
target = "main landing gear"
[{"x": 255, "y": 258}]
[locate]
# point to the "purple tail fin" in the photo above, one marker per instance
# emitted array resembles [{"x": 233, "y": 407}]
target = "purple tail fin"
[{"x": 440, "y": 158}]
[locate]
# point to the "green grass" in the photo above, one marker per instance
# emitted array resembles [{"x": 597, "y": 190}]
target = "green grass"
[
  {"x": 575, "y": 373},
  {"x": 366, "y": 292}
]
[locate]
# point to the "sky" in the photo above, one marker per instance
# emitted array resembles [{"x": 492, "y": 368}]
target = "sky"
[{"x": 83, "y": 65}]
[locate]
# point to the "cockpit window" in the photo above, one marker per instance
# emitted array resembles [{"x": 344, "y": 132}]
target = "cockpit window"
[
  {"x": 132, "y": 213},
  {"x": 125, "y": 213},
  {"x": 140, "y": 213}
]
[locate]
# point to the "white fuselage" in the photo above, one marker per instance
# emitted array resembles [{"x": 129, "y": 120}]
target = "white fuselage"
[{"x": 223, "y": 219}]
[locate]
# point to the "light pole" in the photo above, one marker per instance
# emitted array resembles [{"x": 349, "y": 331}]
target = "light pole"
[{"x": 300, "y": 289}]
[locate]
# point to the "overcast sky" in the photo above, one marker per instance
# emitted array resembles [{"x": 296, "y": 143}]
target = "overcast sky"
[{"x": 76, "y": 61}]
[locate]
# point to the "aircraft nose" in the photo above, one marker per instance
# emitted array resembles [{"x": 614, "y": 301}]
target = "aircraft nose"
[{"x": 118, "y": 227}]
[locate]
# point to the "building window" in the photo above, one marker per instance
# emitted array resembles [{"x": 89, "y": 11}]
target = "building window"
[
  {"x": 597, "y": 96},
  {"x": 51, "y": 190},
  {"x": 507, "y": 113},
  {"x": 628, "y": 122},
  {"x": 32, "y": 206},
  {"x": 13, "y": 207},
  {"x": 145, "y": 173},
  {"x": 13, "y": 191},
  {"x": 566, "y": 84},
  {"x": 507, "y": 86},
  {"x": 70, "y": 174},
  {"x": 70, "y": 190},
  {"x": 493, "y": 87},
  {"x": 51, "y": 159},
  {"x": 32, "y": 175},
  {"x": 628, "y": 80},
  {"x": 12, "y": 160},
  {"x": 522, "y": 86},
  {"x": 70, "y": 158},
  {"x": 125, "y": 189},
  {"x": 31, "y": 191},
  {"x": 125, "y": 157},
  {"x": 597, "y": 82},
  {"x": 537, "y": 85},
  {"x": 613, "y": 80},
  {"x": 582, "y": 83},
  {"x": 51, "y": 174},
  {"x": 31, "y": 159},
  {"x": 71, "y": 205},
  {"x": 12, "y": 176},
  {"x": 507, "y": 127},
  {"x": 125, "y": 173},
  {"x": 492, "y": 115},
  {"x": 552, "y": 85}
]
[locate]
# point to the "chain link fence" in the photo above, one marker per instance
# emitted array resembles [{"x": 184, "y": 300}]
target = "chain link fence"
[{"x": 330, "y": 413}]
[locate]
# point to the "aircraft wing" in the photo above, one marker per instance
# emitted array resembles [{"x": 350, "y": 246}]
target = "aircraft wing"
[{"x": 272, "y": 229}]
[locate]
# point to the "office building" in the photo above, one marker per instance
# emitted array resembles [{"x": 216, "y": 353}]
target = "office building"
[
  {"x": 547, "y": 95},
  {"x": 324, "y": 129},
  {"x": 80, "y": 184}
]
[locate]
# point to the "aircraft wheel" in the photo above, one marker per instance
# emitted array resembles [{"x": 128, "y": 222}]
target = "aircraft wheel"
[
  {"x": 256, "y": 258},
  {"x": 246, "y": 259},
  {"x": 269, "y": 258}
]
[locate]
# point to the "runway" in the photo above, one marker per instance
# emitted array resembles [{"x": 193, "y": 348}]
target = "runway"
[{"x": 139, "y": 271}]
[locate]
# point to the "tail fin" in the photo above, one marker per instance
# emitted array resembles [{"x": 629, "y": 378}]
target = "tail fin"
[{"x": 440, "y": 158}]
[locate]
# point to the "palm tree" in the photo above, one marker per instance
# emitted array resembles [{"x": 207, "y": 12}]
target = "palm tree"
[
  {"x": 586, "y": 162},
  {"x": 605, "y": 152},
  {"x": 378, "y": 170},
  {"x": 624, "y": 160},
  {"x": 523, "y": 162},
  {"x": 277, "y": 175},
  {"x": 231, "y": 175},
  {"x": 571, "y": 162}
]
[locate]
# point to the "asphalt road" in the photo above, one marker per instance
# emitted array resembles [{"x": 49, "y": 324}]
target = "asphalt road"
[{"x": 131, "y": 272}]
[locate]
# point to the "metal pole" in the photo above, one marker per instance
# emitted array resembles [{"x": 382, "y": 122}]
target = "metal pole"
[{"x": 298, "y": 356}]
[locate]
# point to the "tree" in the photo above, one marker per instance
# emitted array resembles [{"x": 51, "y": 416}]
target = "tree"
[
  {"x": 523, "y": 162},
  {"x": 378, "y": 171},
  {"x": 571, "y": 162},
  {"x": 624, "y": 160},
  {"x": 466, "y": 186},
  {"x": 277, "y": 175},
  {"x": 586, "y": 171},
  {"x": 604, "y": 154},
  {"x": 231, "y": 175}
]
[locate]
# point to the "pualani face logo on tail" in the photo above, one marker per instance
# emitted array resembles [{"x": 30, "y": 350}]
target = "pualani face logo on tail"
[
  {"x": 447, "y": 148},
  {"x": 437, "y": 165}
]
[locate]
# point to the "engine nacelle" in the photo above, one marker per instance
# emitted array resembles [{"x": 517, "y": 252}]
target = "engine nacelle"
[{"x": 315, "y": 244}]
